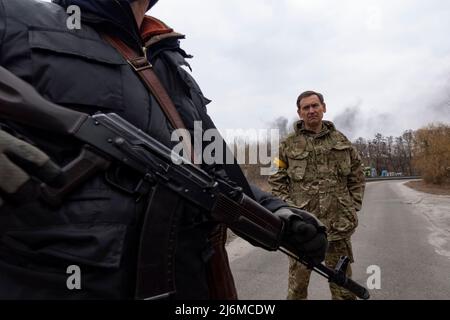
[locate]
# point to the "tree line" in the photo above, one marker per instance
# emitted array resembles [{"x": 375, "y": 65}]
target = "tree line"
[
  {"x": 424, "y": 152},
  {"x": 391, "y": 154}
]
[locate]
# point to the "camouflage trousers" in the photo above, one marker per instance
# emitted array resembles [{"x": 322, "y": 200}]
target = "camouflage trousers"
[{"x": 299, "y": 275}]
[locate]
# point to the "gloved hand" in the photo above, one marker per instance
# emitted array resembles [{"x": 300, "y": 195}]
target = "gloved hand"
[
  {"x": 305, "y": 233},
  {"x": 19, "y": 161}
]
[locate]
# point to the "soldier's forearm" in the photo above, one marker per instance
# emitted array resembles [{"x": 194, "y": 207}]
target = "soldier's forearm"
[{"x": 270, "y": 201}]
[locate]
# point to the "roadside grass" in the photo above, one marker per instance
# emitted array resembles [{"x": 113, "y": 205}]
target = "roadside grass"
[{"x": 420, "y": 185}]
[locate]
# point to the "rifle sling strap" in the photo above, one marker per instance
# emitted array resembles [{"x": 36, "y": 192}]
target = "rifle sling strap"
[{"x": 144, "y": 69}]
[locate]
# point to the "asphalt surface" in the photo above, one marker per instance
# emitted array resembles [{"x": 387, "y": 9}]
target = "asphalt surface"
[{"x": 403, "y": 232}]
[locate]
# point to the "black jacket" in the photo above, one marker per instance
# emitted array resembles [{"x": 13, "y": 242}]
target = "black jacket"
[{"x": 98, "y": 226}]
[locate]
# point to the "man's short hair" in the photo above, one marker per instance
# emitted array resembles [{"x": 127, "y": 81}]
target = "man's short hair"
[{"x": 307, "y": 94}]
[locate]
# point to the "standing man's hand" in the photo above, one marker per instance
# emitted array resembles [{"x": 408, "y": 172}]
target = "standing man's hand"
[
  {"x": 19, "y": 162},
  {"x": 305, "y": 233}
]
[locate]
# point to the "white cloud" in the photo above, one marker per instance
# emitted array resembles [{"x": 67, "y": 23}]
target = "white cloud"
[
  {"x": 254, "y": 57},
  {"x": 391, "y": 56}
]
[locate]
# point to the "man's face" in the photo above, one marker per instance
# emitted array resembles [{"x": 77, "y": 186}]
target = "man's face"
[{"x": 311, "y": 110}]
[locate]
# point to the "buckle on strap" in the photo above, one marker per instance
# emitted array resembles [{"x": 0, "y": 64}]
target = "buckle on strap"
[{"x": 140, "y": 63}]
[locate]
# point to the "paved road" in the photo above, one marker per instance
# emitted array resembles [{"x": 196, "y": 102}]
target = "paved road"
[{"x": 404, "y": 232}]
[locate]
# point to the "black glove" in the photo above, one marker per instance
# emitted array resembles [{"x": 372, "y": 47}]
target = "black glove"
[
  {"x": 304, "y": 234},
  {"x": 19, "y": 161}
]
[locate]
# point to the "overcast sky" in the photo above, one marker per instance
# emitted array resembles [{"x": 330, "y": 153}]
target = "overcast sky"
[{"x": 382, "y": 65}]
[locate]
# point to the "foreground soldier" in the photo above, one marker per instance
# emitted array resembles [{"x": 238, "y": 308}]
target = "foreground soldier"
[
  {"x": 320, "y": 171},
  {"x": 97, "y": 228}
]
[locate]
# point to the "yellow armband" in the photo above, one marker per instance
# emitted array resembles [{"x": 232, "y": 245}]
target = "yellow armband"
[{"x": 279, "y": 163}]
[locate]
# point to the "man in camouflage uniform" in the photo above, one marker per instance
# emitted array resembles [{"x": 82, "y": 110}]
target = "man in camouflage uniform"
[{"x": 319, "y": 171}]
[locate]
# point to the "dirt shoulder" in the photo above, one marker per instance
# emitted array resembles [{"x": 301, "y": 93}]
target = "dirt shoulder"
[{"x": 422, "y": 186}]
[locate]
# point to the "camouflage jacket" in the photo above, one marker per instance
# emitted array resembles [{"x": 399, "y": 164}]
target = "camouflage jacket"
[{"x": 321, "y": 173}]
